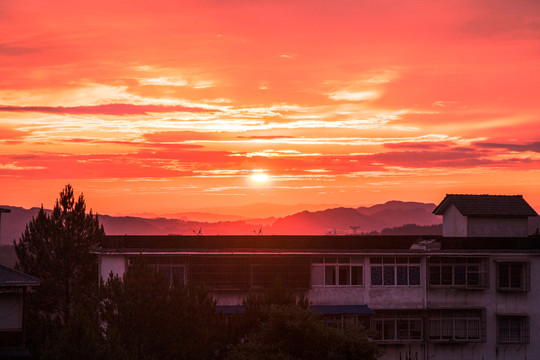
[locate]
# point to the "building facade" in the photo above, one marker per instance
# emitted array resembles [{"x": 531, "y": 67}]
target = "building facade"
[
  {"x": 13, "y": 288},
  {"x": 425, "y": 297}
]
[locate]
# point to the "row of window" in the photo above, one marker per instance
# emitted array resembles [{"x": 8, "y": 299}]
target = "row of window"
[
  {"x": 463, "y": 272},
  {"x": 247, "y": 272},
  {"x": 235, "y": 272},
  {"x": 447, "y": 326}
]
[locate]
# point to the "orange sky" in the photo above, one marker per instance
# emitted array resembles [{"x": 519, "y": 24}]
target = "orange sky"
[{"x": 163, "y": 106}]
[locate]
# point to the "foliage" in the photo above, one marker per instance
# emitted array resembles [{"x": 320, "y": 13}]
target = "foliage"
[
  {"x": 54, "y": 248},
  {"x": 288, "y": 332},
  {"x": 144, "y": 318},
  {"x": 274, "y": 296},
  {"x": 278, "y": 325}
]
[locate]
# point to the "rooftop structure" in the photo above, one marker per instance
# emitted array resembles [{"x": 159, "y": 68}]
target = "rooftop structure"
[
  {"x": 503, "y": 206},
  {"x": 485, "y": 215}
]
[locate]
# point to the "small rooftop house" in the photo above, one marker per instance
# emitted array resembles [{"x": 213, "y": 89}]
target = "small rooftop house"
[{"x": 484, "y": 215}]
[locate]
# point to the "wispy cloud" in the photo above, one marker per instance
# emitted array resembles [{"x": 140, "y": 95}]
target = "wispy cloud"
[
  {"x": 354, "y": 96},
  {"x": 531, "y": 146},
  {"x": 106, "y": 109}
]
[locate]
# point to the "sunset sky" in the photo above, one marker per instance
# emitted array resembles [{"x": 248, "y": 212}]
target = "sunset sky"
[{"x": 165, "y": 106}]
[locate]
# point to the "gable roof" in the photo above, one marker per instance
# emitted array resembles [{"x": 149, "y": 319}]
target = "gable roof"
[
  {"x": 10, "y": 277},
  {"x": 508, "y": 206}
]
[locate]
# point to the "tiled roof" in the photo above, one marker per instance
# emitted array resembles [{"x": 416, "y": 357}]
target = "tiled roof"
[
  {"x": 487, "y": 205},
  {"x": 10, "y": 277}
]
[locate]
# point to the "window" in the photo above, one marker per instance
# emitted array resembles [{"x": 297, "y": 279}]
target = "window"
[
  {"x": 395, "y": 270},
  {"x": 244, "y": 272},
  {"x": 337, "y": 271},
  {"x": 397, "y": 326},
  {"x": 466, "y": 272},
  {"x": 346, "y": 320},
  {"x": 513, "y": 276},
  {"x": 457, "y": 325},
  {"x": 512, "y": 329},
  {"x": 172, "y": 268}
]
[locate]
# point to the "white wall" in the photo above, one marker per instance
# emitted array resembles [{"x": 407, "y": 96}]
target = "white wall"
[
  {"x": 112, "y": 263},
  {"x": 454, "y": 224}
]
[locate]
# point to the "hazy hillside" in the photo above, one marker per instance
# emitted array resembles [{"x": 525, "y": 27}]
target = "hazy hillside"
[
  {"x": 339, "y": 220},
  {"x": 14, "y": 223},
  {"x": 364, "y": 219}
]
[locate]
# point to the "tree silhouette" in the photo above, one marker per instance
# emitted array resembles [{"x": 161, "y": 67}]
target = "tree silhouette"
[
  {"x": 146, "y": 318},
  {"x": 54, "y": 248},
  {"x": 289, "y": 332}
]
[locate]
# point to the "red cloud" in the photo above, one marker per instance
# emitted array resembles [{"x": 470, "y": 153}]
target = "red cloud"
[
  {"x": 177, "y": 136},
  {"x": 106, "y": 109}
]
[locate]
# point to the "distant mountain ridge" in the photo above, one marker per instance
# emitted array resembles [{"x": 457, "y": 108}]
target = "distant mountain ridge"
[
  {"x": 339, "y": 220},
  {"x": 363, "y": 219}
]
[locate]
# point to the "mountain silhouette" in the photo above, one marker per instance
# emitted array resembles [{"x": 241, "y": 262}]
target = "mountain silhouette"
[{"x": 337, "y": 220}]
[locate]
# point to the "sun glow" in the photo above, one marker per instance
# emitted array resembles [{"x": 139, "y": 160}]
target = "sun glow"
[{"x": 260, "y": 178}]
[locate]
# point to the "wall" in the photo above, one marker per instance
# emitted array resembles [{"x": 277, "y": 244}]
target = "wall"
[
  {"x": 454, "y": 224},
  {"x": 496, "y": 227},
  {"x": 11, "y": 311},
  {"x": 112, "y": 263}
]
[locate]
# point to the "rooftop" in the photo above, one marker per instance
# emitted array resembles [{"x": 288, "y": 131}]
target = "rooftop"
[
  {"x": 10, "y": 277},
  {"x": 508, "y": 206},
  {"x": 134, "y": 244}
]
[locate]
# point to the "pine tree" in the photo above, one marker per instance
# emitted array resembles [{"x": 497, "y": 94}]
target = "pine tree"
[
  {"x": 145, "y": 318},
  {"x": 55, "y": 249}
]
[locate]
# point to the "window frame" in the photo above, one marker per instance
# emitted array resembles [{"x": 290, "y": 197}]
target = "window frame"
[
  {"x": 390, "y": 270},
  {"x": 159, "y": 263},
  {"x": 523, "y": 323},
  {"x": 456, "y": 318},
  {"x": 458, "y": 272},
  {"x": 524, "y": 275},
  {"x": 393, "y": 318},
  {"x": 331, "y": 269}
]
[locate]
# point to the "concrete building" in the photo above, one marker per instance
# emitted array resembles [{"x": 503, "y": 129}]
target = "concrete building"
[{"x": 426, "y": 297}]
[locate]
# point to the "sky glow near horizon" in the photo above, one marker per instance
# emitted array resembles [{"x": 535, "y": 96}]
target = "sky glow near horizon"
[{"x": 172, "y": 105}]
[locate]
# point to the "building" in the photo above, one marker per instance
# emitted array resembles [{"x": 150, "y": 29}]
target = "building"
[
  {"x": 426, "y": 297},
  {"x": 484, "y": 215},
  {"x": 13, "y": 287}
]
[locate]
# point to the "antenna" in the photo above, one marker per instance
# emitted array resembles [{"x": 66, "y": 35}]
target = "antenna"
[{"x": 354, "y": 228}]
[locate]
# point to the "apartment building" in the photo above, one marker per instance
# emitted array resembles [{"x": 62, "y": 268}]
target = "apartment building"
[{"x": 455, "y": 296}]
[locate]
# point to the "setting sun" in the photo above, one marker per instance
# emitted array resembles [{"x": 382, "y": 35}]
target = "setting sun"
[{"x": 260, "y": 178}]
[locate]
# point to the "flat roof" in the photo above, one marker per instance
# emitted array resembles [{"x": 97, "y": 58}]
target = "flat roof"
[{"x": 305, "y": 244}]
